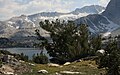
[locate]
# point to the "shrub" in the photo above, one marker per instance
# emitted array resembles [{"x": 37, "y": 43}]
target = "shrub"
[
  {"x": 40, "y": 58},
  {"x": 111, "y": 59},
  {"x": 23, "y": 57}
]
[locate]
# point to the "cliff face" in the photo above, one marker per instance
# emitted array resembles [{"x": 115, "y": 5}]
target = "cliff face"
[
  {"x": 112, "y": 11},
  {"x": 108, "y": 21}
]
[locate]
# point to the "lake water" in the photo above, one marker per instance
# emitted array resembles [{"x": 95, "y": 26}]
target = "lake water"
[{"x": 27, "y": 51}]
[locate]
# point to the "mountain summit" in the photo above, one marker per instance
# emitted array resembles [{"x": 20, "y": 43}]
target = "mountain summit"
[{"x": 92, "y": 9}]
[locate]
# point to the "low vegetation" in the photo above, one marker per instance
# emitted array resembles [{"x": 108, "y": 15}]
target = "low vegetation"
[
  {"x": 40, "y": 58},
  {"x": 111, "y": 59},
  {"x": 87, "y": 67}
]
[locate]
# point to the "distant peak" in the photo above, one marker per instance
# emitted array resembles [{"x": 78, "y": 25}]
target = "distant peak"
[
  {"x": 92, "y": 9},
  {"x": 90, "y": 6}
]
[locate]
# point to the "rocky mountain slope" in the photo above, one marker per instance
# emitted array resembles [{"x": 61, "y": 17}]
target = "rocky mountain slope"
[
  {"x": 107, "y": 21},
  {"x": 98, "y": 23},
  {"x": 113, "y": 11},
  {"x": 24, "y": 26}
]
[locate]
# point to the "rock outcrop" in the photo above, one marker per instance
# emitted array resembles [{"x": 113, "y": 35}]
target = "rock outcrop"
[
  {"x": 11, "y": 66},
  {"x": 7, "y": 70},
  {"x": 43, "y": 71}
]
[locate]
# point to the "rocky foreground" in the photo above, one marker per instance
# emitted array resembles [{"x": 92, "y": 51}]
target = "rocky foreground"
[
  {"x": 12, "y": 66},
  {"x": 9, "y": 65}
]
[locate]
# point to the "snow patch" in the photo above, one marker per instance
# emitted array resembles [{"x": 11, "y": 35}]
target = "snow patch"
[
  {"x": 30, "y": 21},
  {"x": 101, "y": 11},
  {"x": 17, "y": 27},
  {"x": 106, "y": 34},
  {"x": 64, "y": 17},
  {"x": 27, "y": 19},
  {"x": 9, "y": 22},
  {"x": 72, "y": 16}
]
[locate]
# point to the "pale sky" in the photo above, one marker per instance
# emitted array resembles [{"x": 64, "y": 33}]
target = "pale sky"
[{"x": 10, "y": 8}]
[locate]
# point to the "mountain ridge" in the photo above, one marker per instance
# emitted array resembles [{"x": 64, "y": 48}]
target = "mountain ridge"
[
  {"x": 28, "y": 23},
  {"x": 107, "y": 21},
  {"x": 94, "y": 8}
]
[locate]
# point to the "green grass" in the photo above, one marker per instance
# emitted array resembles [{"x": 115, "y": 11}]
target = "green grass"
[{"x": 88, "y": 67}]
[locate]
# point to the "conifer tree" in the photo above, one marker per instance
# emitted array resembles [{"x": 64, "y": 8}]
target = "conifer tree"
[{"x": 70, "y": 41}]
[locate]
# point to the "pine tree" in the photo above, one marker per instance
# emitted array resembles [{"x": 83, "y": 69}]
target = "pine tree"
[{"x": 70, "y": 41}]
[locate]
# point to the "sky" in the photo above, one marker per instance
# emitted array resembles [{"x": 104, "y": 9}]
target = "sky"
[{"x": 11, "y": 8}]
